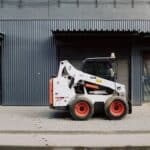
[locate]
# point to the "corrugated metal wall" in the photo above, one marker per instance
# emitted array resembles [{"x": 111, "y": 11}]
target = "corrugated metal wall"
[
  {"x": 136, "y": 76},
  {"x": 28, "y": 60},
  {"x": 29, "y": 54}
]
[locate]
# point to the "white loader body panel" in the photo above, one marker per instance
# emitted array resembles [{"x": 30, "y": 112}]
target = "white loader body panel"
[{"x": 63, "y": 93}]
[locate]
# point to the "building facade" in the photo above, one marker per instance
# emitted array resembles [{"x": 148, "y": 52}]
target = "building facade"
[{"x": 35, "y": 35}]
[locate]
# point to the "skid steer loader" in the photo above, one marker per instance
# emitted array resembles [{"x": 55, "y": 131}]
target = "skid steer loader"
[{"x": 81, "y": 91}]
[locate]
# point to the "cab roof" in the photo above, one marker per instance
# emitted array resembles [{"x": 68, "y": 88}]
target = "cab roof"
[{"x": 98, "y": 59}]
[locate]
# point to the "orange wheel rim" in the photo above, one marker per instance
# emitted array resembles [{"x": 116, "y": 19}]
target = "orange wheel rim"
[
  {"x": 82, "y": 109},
  {"x": 117, "y": 108}
]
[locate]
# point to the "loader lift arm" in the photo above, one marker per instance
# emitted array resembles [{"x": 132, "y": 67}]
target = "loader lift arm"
[{"x": 77, "y": 76}]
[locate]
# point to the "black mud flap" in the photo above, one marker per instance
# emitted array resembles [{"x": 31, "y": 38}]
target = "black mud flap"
[{"x": 130, "y": 107}]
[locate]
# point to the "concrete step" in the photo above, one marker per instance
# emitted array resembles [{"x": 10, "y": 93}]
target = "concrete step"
[{"x": 73, "y": 141}]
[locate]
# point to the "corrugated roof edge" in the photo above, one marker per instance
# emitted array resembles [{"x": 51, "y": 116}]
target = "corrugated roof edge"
[{"x": 140, "y": 26}]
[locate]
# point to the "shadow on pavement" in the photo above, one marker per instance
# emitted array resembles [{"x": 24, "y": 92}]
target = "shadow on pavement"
[
  {"x": 75, "y": 148},
  {"x": 61, "y": 114}
]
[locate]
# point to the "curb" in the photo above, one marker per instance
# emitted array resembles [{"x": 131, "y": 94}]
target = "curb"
[
  {"x": 74, "y": 132},
  {"x": 73, "y": 148},
  {"x": 73, "y": 141}
]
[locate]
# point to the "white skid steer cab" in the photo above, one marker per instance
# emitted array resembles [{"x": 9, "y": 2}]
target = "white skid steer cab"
[{"x": 81, "y": 91}]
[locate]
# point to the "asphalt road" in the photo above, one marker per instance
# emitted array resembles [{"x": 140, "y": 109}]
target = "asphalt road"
[
  {"x": 40, "y": 126},
  {"x": 43, "y": 119}
]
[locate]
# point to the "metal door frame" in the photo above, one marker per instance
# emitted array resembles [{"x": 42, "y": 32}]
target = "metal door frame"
[
  {"x": 1, "y": 84},
  {"x": 1, "y": 47},
  {"x": 143, "y": 48},
  {"x": 142, "y": 72}
]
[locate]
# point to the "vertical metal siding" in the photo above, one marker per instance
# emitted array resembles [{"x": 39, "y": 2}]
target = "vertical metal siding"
[
  {"x": 29, "y": 55},
  {"x": 136, "y": 74},
  {"x": 29, "y": 58}
]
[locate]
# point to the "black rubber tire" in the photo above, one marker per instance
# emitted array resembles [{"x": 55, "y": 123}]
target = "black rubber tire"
[
  {"x": 108, "y": 112},
  {"x": 130, "y": 107},
  {"x": 75, "y": 116}
]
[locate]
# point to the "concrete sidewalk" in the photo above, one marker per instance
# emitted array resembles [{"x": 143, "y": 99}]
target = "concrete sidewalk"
[{"x": 40, "y": 126}]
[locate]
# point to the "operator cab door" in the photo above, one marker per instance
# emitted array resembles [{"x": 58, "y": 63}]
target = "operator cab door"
[{"x": 100, "y": 68}]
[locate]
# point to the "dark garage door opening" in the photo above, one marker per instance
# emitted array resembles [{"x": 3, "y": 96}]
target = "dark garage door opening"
[
  {"x": 1, "y": 45},
  {"x": 76, "y": 46}
]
